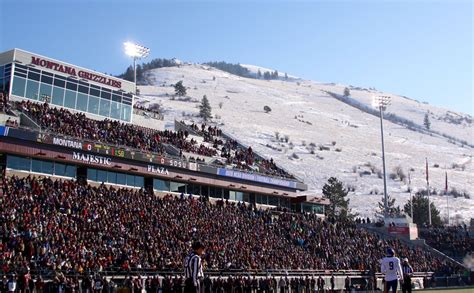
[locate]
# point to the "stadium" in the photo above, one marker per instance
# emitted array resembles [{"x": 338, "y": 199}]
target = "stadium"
[{"x": 89, "y": 197}]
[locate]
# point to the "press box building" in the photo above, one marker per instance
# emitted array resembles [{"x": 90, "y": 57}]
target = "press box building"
[{"x": 25, "y": 75}]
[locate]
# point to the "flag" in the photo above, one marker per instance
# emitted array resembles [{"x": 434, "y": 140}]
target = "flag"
[
  {"x": 426, "y": 170},
  {"x": 446, "y": 183}
]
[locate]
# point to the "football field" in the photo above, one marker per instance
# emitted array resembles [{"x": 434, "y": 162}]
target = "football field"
[{"x": 453, "y": 290}]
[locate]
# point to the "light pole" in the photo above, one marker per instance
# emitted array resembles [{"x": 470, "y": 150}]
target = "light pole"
[
  {"x": 136, "y": 52},
  {"x": 382, "y": 102}
]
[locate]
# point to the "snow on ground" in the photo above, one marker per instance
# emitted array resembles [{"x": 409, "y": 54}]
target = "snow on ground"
[
  {"x": 347, "y": 140},
  {"x": 254, "y": 69}
]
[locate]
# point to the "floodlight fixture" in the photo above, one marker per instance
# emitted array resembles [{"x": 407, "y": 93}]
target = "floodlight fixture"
[{"x": 136, "y": 52}]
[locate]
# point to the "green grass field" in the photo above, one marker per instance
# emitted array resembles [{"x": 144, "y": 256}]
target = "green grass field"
[{"x": 454, "y": 290}]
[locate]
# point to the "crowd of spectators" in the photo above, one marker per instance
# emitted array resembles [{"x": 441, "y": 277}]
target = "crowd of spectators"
[
  {"x": 155, "y": 110},
  {"x": 62, "y": 121},
  {"x": 4, "y": 105},
  {"x": 240, "y": 157},
  {"x": 11, "y": 123},
  {"x": 71, "y": 226},
  {"x": 453, "y": 241}
]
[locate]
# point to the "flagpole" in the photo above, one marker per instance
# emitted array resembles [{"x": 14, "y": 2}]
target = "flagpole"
[
  {"x": 447, "y": 196},
  {"x": 411, "y": 198},
  {"x": 428, "y": 189}
]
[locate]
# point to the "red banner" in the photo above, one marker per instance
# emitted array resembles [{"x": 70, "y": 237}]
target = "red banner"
[{"x": 399, "y": 230}]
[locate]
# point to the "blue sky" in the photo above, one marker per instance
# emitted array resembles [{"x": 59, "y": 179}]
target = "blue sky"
[{"x": 420, "y": 49}]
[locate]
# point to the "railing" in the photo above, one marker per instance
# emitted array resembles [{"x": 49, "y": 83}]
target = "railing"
[
  {"x": 25, "y": 119},
  {"x": 357, "y": 279},
  {"x": 116, "y": 271}
]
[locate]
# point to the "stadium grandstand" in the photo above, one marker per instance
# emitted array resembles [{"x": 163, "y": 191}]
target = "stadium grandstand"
[{"x": 88, "y": 197}]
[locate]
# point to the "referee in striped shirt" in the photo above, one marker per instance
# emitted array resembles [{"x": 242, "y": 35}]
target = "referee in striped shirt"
[
  {"x": 407, "y": 274},
  {"x": 193, "y": 268}
]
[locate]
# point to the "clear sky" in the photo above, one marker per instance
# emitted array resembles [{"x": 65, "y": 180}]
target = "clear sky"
[{"x": 420, "y": 49}]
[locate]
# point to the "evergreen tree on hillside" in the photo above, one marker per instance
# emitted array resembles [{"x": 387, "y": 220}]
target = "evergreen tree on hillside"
[
  {"x": 236, "y": 69},
  {"x": 420, "y": 210},
  {"x": 139, "y": 74},
  {"x": 259, "y": 74},
  {"x": 393, "y": 210},
  {"x": 286, "y": 76},
  {"x": 426, "y": 121},
  {"x": 179, "y": 89},
  {"x": 267, "y": 75},
  {"x": 205, "y": 109},
  {"x": 336, "y": 193},
  {"x": 347, "y": 92},
  {"x": 141, "y": 68},
  {"x": 128, "y": 75}
]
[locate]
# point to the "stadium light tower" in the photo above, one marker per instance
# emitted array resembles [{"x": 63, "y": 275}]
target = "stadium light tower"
[
  {"x": 136, "y": 52},
  {"x": 382, "y": 102}
]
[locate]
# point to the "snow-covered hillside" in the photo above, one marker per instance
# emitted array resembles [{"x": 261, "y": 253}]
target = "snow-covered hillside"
[
  {"x": 327, "y": 137},
  {"x": 254, "y": 70}
]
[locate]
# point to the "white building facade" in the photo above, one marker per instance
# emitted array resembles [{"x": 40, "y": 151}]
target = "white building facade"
[{"x": 25, "y": 75}]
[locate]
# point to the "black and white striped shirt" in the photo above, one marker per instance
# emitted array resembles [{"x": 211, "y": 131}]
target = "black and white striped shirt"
[
  {"x": 407, "y": 270},
  {"x": 193, "y": 267}
]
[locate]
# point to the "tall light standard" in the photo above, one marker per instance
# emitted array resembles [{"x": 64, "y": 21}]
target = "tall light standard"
[
  {"x": 382, "y": 102},
  {"x": 136, "y": 52}
]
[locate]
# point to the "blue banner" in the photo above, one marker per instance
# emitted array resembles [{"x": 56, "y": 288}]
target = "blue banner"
[
  {"x": 3, "y": 130},
  {"x": 255, "y": 178}
]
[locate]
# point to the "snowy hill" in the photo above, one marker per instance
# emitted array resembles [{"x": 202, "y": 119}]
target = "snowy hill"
[
  {"x": 328, "y": 137},
  {"x": 254, "y": 69}
]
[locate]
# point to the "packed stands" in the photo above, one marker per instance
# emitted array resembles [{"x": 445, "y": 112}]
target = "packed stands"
[
  {"x": 4, "y": 105},
  {"x": 452, "y": 241},
  {"x": 71, "y": 226},
  {"x": 240, "y": 157},
  {"x": 62, "y": 121},
  {"x": 154, "y": 110}
]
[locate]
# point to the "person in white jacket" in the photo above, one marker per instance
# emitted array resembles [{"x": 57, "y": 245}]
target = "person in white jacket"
[{"x": 392, "y": 269}]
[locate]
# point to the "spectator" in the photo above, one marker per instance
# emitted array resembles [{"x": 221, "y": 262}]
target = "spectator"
[{"x": 70, "y": 226}]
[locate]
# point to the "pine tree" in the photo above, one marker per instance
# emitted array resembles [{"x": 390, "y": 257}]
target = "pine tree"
[
  {"x": 267, "y": 75},
  {"x": 420, "y": 210},
  {"x": 259, "y": 74},
  {"x": 392, "y": 209},
  {"x": 128, "y": 75},
  {"x": 427, "y": 122},
  {"x": 205, "y": 109},
  {"x": 347, "y": 92},
  {"x": 139, "y": 73},
  {"x": 179, "y": 89},
  {"x": 286, "y": 75},
  {"x": 335, "y": 192}
]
